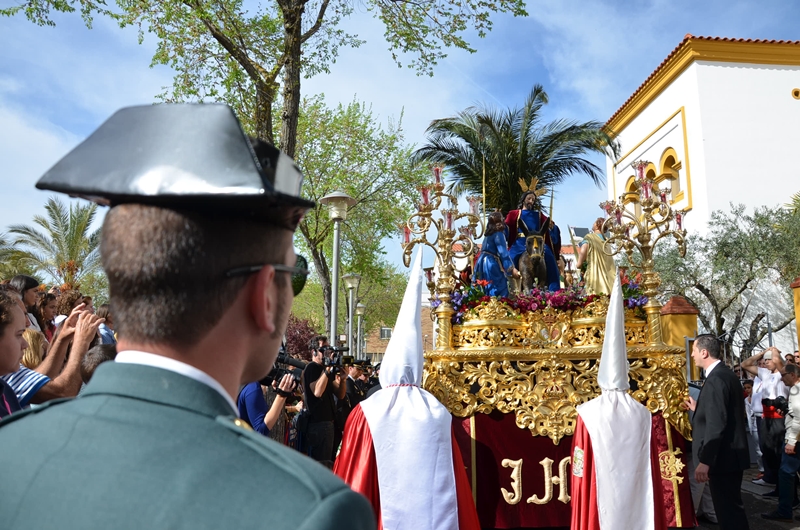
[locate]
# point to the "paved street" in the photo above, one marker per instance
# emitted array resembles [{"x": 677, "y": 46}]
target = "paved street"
[{"x": 755, "y": 505}]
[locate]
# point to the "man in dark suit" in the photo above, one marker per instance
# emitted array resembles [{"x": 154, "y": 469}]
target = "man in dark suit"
[
  {"x": 202, "y": 272},
  {"x": 719, "y": 437}
]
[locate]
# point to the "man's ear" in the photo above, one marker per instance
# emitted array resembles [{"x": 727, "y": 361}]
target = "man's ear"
[{"x": 263, "y": 299}]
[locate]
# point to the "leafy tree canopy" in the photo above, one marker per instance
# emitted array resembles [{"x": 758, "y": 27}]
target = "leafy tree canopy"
[
  {"x": 741, "y": 255},
  {"x": 346, "y": 149},
  {"x": 231, "y": 51}
]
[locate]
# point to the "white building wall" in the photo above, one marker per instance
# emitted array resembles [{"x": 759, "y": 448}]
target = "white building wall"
[
  {"x": 671, "y": 120},
  {"x": 751, "y": 133},
  {"x": 738, "y": 141}
]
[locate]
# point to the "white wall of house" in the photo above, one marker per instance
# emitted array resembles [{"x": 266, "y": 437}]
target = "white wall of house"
[{"x": 735, "y": 131}]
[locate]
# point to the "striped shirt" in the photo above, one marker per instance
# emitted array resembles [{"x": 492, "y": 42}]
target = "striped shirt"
[{"x": 25, "y": 383}]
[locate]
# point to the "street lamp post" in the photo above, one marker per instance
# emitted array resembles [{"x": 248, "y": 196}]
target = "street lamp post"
[
  {"x": 337, "y": 203},
  {"x": 360, "y": 308},
  {"x": 351, "y": 281}
]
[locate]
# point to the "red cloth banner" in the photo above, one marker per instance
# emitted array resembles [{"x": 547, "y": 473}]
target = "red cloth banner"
[
  {"x": 674, "y": 473},
  {"x": 497, "y": 439},
  {"x": 533, "y": 502}
]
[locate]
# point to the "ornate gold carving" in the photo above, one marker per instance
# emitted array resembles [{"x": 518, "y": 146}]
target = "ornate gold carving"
[
  {"x": 671, "y": 465},
  {"x": 494, "y": 309},
  {"x": 496, "y": 325},
  {"x": 543, "y": 387}
]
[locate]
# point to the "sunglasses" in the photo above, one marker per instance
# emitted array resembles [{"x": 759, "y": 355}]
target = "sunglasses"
[{"x": 299, "y": 272}]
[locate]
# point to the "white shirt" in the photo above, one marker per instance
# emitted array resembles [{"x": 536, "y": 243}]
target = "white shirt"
[
  {"x": 713, "y": 365},
  {"x": 773, "y": 384},
  {"x": 165, "y": 363},
  {"x": 755, "y": 402}
]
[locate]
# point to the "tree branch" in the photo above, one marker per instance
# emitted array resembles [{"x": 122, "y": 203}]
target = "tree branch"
[{"x": 317, "y": 24}]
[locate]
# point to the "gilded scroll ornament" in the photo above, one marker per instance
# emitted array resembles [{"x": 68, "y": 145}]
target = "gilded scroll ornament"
[{"x": 543, "y": 387}]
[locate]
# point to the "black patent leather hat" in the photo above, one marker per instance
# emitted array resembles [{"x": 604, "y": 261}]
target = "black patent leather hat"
[{"x": 192, "y": 156}]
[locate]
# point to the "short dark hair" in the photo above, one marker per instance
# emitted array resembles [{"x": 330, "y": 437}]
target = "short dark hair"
[
  {"x": 710, "y": 343},
  {"x": 166, "y": 268},
  {"x": 96, "y": 356},
  {"x": 792, "y": 369},
  {"x": 314, "y": 344},
  {"x": 22, "y": 283}
]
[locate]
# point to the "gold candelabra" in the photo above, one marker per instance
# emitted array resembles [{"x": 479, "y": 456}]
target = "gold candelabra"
[
  {"x": 415, "y": 232},
  {"x": 651, "y": 219}
]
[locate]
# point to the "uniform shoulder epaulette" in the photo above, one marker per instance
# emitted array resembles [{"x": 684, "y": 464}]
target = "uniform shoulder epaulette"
[
  {"x": 35, "y": 410},
  {"x": 295, "y": 465}
]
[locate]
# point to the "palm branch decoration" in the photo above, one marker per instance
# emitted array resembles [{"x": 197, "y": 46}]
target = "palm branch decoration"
[{"x": 512, "y": 145}]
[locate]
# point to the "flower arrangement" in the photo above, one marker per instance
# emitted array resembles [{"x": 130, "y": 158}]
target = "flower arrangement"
[
  {"x": 465, "y": 298},
  {"x": 632, "y": 294}
]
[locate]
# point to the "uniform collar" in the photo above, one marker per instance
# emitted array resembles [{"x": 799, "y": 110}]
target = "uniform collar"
[{"x": 158, "y": 385}]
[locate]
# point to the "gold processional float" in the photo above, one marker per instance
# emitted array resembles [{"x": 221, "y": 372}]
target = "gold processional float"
[{"x": 497, "y": 360}]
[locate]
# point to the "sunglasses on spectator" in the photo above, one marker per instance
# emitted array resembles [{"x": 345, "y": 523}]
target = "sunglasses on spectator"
[{"x": 299, "y": 272}]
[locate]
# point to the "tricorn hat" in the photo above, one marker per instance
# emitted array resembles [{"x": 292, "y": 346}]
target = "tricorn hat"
[{"x": 192, "y": 156}]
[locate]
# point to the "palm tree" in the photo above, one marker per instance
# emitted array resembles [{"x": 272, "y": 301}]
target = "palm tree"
[
  {"x": 511, "y": 145},
  {"x": 65, "y": 249}
]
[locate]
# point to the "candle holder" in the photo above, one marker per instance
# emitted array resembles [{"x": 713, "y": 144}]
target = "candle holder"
[
  {"x": 444, "y": 232},
  {"x": 631, "y": 231}
]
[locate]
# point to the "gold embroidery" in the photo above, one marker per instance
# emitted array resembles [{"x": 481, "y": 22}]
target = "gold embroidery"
[
  {"x": 550, "y": 481},
  {"x": 516, "y": 481}
]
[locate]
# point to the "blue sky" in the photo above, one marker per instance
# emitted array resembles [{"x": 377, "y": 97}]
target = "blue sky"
[{"x": 58, "y": 84}]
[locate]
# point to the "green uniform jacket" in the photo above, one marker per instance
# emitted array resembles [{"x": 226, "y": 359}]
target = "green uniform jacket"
[{"x": 147, "y": 448}]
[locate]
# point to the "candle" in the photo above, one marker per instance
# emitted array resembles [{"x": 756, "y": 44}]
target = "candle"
[
  {"x": 618, "y": 215},
  {"x": 426, "y": 195},
  {"x": 448, "y": 219},
  {"x": 437, "y": 174},
  {"x": 679, "y": 220},
  {"x": 406, "y": 234},
  {"x": 645, "y": 189},
  {"x": 663, "y": 195},
  {"x": 429, "y": 274},
  {"x": 473, "y": 205}
]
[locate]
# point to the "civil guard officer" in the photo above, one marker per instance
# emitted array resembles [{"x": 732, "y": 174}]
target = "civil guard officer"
[{"x": 198, "y": 251}]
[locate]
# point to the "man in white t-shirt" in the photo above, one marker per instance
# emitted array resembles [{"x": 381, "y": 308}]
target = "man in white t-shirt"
[{"x": 772, "y": 427}]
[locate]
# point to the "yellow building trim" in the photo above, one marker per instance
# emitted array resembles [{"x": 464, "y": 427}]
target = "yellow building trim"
[
  {"x": 694, "y": 49},
  {"x": 668, "y": 152},
  {"x": 650, "y": 135},
  {"x": 686, "y": 156},
  {"x": 651, "y": 166},
  {"x": 678, "y": 198}
]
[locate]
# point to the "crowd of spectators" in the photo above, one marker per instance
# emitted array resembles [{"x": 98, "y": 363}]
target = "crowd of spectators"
[
  {"x": 54, "y": 340},
  {"x": 58, "y": 342}
]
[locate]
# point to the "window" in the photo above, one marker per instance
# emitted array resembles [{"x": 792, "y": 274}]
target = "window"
[{"x": 386, "y": 333}]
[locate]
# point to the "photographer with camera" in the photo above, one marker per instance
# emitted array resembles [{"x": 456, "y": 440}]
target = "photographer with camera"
[
  {"x": 790, "y": 461},
  {"x": 319, "y": 386},
  {"x": 772, "y": 429},
  {"x": 252, "y": 403}
]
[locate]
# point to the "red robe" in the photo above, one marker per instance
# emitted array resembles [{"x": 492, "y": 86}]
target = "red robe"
[
  {"x": 584, "y": 488},
  {"x": 358, "y": 466}
]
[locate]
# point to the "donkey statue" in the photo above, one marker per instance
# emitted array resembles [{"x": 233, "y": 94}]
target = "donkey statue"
[{"x": 532, "y": 267}]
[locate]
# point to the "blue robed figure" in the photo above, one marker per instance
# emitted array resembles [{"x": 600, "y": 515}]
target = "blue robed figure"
[
  {"x": 494, "y": 262},
  {"x": 530, "y": 220}
]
